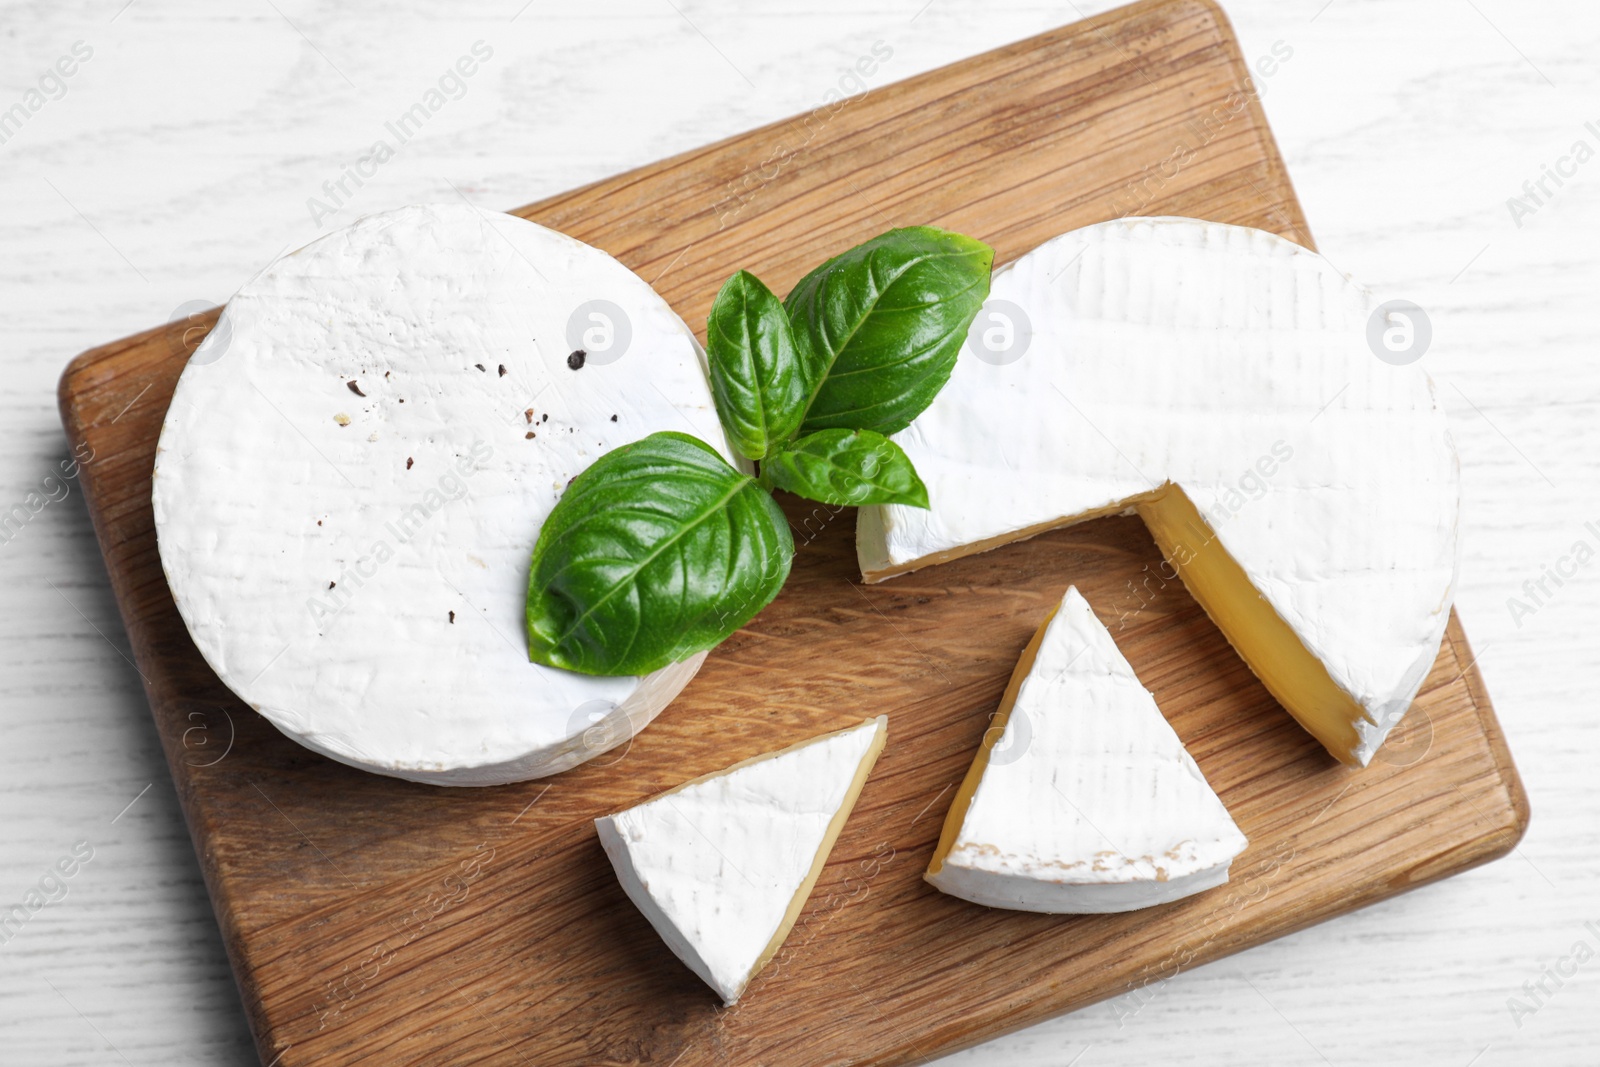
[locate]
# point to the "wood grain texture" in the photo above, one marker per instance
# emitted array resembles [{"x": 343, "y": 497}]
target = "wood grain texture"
[{"x": 372, "y": 920}]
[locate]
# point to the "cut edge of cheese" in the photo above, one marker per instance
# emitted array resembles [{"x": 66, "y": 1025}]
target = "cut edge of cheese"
[
  {"x": 876, "y": 566},
  {"x": 957, "y": 813},
  {"x": 1011, "y": 891},
  {"x": 1267, "y": 644},
  {"x": 880, "y": 736},
  {"x": 636, "y": 885},
  {"x": 1255, "y": 630}
]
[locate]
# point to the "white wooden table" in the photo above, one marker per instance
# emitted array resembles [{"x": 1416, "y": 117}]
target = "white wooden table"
[{"x": 181, "y": 153}]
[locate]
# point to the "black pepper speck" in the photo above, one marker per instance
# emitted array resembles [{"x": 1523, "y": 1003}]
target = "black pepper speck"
[
  {"x": 613, "y": 418},
  {"x": 502, "y": 370},
  {"x": 354, "y": 388},
  {"x": 575, "y": 361},
  {"x": 481, "y": 367},
  {"x": 452, "y": 618},
  {"x": 409, "y": 461}
]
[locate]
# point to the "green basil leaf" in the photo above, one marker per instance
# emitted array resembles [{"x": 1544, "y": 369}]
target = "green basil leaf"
[
  {"x": 658, "y": 551},
  {"x": 757, "y": 375},
  {"x": 880, "y": 325},
  {"x": 847, "y": 467}
]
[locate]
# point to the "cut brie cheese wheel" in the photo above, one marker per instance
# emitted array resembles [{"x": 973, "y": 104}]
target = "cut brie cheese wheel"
[
  {"x": 1221, "y": 381},
  {"x": 1082, "y": 798},
  {"x": 722, "y": 865},
  {"x": 356, "y": 465}
]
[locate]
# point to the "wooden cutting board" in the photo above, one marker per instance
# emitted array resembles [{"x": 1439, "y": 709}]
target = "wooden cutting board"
[{"x": 371, "y": 920}]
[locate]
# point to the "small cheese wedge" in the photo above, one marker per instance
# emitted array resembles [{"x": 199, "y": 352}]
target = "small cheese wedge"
[
  {"x": 1226, "y": 384},
  {"x": 722, "y": 865},
  {"x": 1082, "y": 799}
]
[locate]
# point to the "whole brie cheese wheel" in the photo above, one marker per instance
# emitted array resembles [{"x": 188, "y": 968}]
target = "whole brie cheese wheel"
[
  {"x": 1232, "y": 387},
  {"x": 356, "y": 465}
]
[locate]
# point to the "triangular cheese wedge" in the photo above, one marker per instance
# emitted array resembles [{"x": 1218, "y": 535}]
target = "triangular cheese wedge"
[
  {"x": 1082, "y": 799},
  {"x": 722, "y": 865}
]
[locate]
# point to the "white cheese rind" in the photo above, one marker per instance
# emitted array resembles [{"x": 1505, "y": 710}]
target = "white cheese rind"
[
  {"x": 1174, "y": 352},
  {"x": 1089, "y": 802},
  {"x": 419, "y": 499},
  {"x": 719, "y": 864}
]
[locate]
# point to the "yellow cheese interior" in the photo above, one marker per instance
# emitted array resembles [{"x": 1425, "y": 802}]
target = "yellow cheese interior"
[
  {"x": 997, "y": 727},
  {"x": 1219, "y": 585},
  {"x": 834, "y": 826},
  {"x": 1273, "y": 651}
]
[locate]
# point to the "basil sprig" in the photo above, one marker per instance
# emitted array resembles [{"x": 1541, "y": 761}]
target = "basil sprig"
[
  {"x": 882, "y": 324},
  {"x": 662, "y": 549},
  {"x": 760, "y": 384},
  {"x": 846, "y": 467},
  {"x": 657, "y": 551}
]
